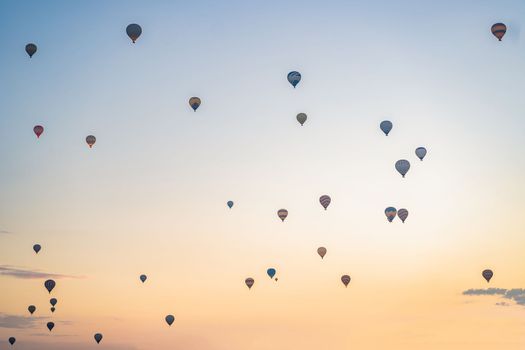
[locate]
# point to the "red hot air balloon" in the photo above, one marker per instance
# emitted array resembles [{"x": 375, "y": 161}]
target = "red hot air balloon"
[
  {"x": 249, "y": 282},
  {"x": 90, "y": 140},
  {"x": 38, "y": 130}
]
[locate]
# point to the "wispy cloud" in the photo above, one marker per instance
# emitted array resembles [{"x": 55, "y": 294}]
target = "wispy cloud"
[
  {"x": 88, "y": 345},
  {"x": 5, "y": 232},
  {"x": 16, "y": 272},
  {"x": 20, "y": 322},
  {"x": 516, "y": 294}
]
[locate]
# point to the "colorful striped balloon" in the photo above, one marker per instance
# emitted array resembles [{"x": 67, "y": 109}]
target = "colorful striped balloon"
[
  {"x": 282, "y": 213},
  {"x": 195, "y": 102},
  {"x": 390, "y": 213},
  {"x": 294, "y": 78},
  {"x": 402, "y": 214},
  {"x": 325, "y": 201},
  {"x": 498, "y": 30}
]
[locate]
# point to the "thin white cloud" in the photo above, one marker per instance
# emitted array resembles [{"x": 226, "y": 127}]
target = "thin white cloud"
[{"x": 17, "y": 272}]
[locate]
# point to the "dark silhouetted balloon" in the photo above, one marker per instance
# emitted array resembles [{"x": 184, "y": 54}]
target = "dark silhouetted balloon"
[
  {"x": 294, "y": 78},
  {"x": 52, "y": 309},
  {"x": 169, "y": 319},
  {"x": 390, "y": 213},
  {"x": 12, "y": 340},
  {"x": 325, "y": 201},
  {"x": 133, "y": 30},
  {"x": 301, "y": 118},
  {"x": 249, "y": 282},
  {"x": 38, "y": 130},
  {"x": 402, "y": 214},
  {"x": 498, "y": 30},
  {"x": 345, "y": 279},
  {"x": 487, "y": 274},
  {"x": 402, "y": 166},
  {"x": 49, "y": 284},
  {"x": 386, "y": 126},
  {"x": 53, "y": 301},
  {"x": 282, "y": 213},
  {"x": 230, "y": 204},
  {"x": 195, "y": 102},
  {"x": 271, "y": 272},
  {"x": 143, "y": 278},
  {"x": 421, "y": 152},
  {"x": 37, "y": 248},
  {"x": 30, "y": 49},
  {"x": 98, "y": 338},
  {"x": 90, "y": 140},
  {"x": 31, "y": 309},
  {"x": 321, "y": 251},
  {"x": 50, "y": 326}
]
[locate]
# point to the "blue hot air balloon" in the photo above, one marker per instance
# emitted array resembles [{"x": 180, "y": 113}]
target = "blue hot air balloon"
[
  {"x": 421, "y": 152},
  {"x": 50, "y": 326},
  {"x": 402, "y": 166},
  {"x": 98, "y": 338},
  {"x": 169, "y": 319},
  {"x": 143, "y": 278},
  {"x": 37, "y": 248},
  {"x": 294, "y": 78},
  {"x": 12, "y": 340},
  {"x": 230, "y": 204},
  {"x": 386, "y": 126},
  {"x": 271, "y": 272},
  {"x": 49, "y": 284}
]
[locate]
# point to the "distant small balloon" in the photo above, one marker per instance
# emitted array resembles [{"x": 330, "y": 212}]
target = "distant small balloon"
[
  {"x": 50, "y": 326},
  {"x": 386, "y": 126},
  {"x": 38, "y": 130},
  {"x": 294, "y": 78},
  {"x": 230, "y": 204},
  {"x": 53, "y": 301},
  {"x": 271, "y": 272},
  {"x": 345, "y": 279},
  {"x": 195, "y": 102},
  {"x": 169, "y": 319},
  {"x": 49, "y": 284},
  {"x": 143, "y": 278},
  {"x": 402, "y": 214},
  {"x": 31, "y": 309},
  {"x": 90, "y": 140},
  {"x": 249, "y": 282},
  {"x": 37, "y": 248},
  {"x": 487, "y": 274},
  {"x": 421, "y": 152},
  {"x": 390, "y": 213},
  {"x": 133, "y": 30},
  {"x": 325, "y": 201},
  {"x": 53, "y": 309},
  {"x": 301, "y": 118},
  {"x": 282, "y": 213},
  {"x": 30, "y": 49},
  {"x": 98, "y": 337},
  {"x": 12, "y": 340},
  {"x": 321, "y": 251},
  {"x": 498, "y": 30},
  {"x": 402, "y": 166}
]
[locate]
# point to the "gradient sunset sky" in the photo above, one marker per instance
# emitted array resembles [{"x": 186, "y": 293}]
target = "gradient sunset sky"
[{"x": 150, "y": 197}]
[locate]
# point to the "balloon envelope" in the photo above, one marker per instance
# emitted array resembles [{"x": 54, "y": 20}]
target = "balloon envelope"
[
  {"x": 53, "y": 309},
  {"x": 294, "y": 78},
  {"x": 249, "y": 282},
  {"x": 390, "y": 213},
  {"x": 195, "y": 102},
  {"x": 230, "y": 204},
  {"x": 37, "y": 248},
  {"x": 30, "y": 49},
  {"x": 53, "y": 301},
  {"x": 301, "y": 118},
  {"x": 498, "y": 30},
  {"x": 345, "y": 279},
  {"x": 271, "y": 272},
  {"x": 133, "y": 30},
  {"x": 325, "y": 201},
  {"x": 321, "y": 251},
  {"x": 169, "y": 319},
  {"x": 38, "y": 130},
  {"x": 31, "y": 309},
  {"x": 90, "y": 140},
  {"x": 487, "y": 274},
  {"x": 402, "y": 214},
  {"x": 50, "y": 326},
  {"x": 98, "y": 337},
  {"x": 49, "y": 284},
  {"x": 421, "y": 152},
  {"x": 143, "y": 278},
  {"x": 12, "y": 340},
  {"x": 386, "y": 126},
  {"x": 282, "y": 213},
  {"x": 402, "y": 166}
]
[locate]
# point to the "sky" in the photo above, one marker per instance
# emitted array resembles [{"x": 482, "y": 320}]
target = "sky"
[{"x": 150, "y": 196}]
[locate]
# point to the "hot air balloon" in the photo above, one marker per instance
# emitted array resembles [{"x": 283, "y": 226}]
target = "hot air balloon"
[
  {"x": 386, "y": 126},
  {"x": 301, "y": 118},
  {"x": 143, "y": 278},
  {"x": 321, "y": 251},
  {"x": 195, "y": 102},
  {"x": 282, "y": 213},
  {"x": 402, "y": 166},
  {"x": 30, "y": 49},
  {"x": 50, "y": 326},
  {"x": 271, "y": 272},
  {"x": 133, "y": 30},
  {"x": 345, "y": 279},
  {"x": 390, "y": 213},
  {"x": 325, "y": 201},
  {"x": 31, "y": 309},
  {"x": 91, "y": 140},
  {"x": 294, "y": 78},
  {"x": 49, "y": 284},
  {"x": 230, "y": 204},
  {"x": 169, "y": 319},
  {"x": 53, "y": 301},
  {"x": 249, "y": 282},
  {"x": 402, "y": 214},
  {"x": 498, "y": 30},
  {"x": 37, "y": 248},
  {"x": 487, "y": 274},
  {"x": 421, "y": 152},
  {"x": 52, "y": 309},
  {"x": 98, "y": 337},
  {"x": 12, "y": 340},
  {"x": 38, "y": 130}
]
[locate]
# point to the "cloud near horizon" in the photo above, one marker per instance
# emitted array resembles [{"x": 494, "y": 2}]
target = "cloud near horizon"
[
  {"x": 20, "y": 322},
  {"x": 12, "y": 271},
  {"x": 516, "y": 294}
]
